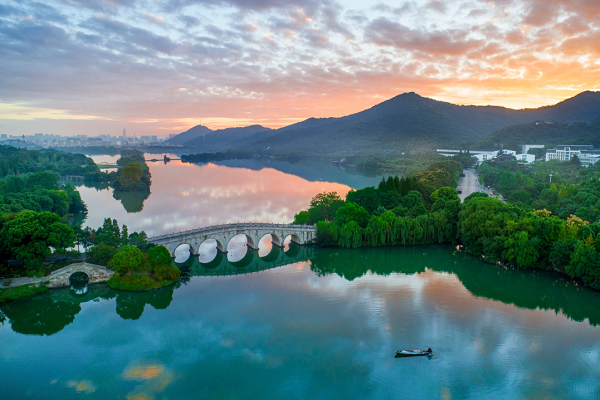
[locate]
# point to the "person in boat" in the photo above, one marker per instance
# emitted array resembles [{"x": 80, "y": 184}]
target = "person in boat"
[{"x": 429, "y": 350}]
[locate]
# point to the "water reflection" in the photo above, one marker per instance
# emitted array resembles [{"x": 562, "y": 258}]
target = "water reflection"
[
  {"x": 49, "y": 313},
  {"x": 526, "y": 289},
  {"x": 133, "y": 202},
  {"x": 326, "y": 327},
  {"x": 188, "y": 196}
]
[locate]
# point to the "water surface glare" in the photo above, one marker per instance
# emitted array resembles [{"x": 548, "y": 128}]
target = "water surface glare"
[{"x": 326, "y": 328}]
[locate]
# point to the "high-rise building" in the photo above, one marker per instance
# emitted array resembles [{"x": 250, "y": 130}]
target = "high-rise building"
[{"x": 124, "y": 132}]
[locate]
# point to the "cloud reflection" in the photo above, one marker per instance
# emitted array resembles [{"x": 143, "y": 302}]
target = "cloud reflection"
[{"x": 213, "y": 195}]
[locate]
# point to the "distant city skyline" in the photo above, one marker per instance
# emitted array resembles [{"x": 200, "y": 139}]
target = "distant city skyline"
[{"x": 92, "y": 67}]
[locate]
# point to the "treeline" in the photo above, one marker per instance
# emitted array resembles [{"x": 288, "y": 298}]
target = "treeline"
[
  {"x": 234, "y": 154},
  {"x": 408, "y": 164},
  {"x": 39, "y": 192},
  {"x": 413, "y": 210},
  {"x": 218, "y": 156},
  {"x": 516, "y": 235},
  {"x": 15, "y": 161},
  {"x": 571, "y": 190}
]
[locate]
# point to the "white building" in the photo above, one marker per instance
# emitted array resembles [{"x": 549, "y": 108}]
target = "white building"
[
  {"x": 482, "y": 155},
  {"x": 587, "y": 154}
]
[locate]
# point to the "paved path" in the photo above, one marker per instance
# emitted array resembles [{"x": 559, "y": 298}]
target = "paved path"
[{"x": 468, "y": 184}]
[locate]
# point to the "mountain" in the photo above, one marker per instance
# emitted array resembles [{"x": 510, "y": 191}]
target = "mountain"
[
  {"x": 226, "y": 137},
  {"x": 549, "y": 134},
  {"x": 190, "y": 134},
  {"x": 410, "y": 121}
]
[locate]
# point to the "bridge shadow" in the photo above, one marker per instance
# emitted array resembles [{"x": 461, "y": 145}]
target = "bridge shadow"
[{"x": 221, "y": 266}]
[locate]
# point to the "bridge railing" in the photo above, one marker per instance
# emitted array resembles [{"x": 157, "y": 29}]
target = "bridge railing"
[{"x": 239, "y": 225}]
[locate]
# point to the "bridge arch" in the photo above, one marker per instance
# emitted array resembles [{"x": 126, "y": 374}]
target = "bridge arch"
[
  {"x": 183, "y": 251},
  {"x": 209, "y": 250},
  {"x": 79, "y": 277}
]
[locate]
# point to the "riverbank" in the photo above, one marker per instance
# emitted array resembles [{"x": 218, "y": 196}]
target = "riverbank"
[{"x": 21, "y": 292}]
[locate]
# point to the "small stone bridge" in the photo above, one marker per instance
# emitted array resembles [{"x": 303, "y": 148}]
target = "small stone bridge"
[
  {"x": 61, "y": 277},
  {"x": 300, "y": 234}
]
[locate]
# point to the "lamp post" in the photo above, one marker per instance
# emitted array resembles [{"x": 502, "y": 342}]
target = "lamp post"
[{"x": 550, "y": 178}]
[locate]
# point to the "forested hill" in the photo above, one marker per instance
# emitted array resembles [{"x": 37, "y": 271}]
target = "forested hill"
[
  {"x": 225, "y": 137},
  {"x": 410, "y": 121},
  {"x": 190, "y": 134},
  {"x": 548, "y": 134},
  {"x": 201, "y": 136}
]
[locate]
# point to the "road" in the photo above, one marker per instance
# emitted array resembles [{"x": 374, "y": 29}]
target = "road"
[{"x": 468, "y": 184}]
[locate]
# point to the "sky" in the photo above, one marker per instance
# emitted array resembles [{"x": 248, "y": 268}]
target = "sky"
[{"x": 157, "y": 67}]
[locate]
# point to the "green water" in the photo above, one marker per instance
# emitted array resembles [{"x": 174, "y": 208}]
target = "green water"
[{"x": 324, "y": 327}]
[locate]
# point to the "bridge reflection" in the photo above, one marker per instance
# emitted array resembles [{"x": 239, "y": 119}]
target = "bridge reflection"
[{"x": 250, "y": 263}]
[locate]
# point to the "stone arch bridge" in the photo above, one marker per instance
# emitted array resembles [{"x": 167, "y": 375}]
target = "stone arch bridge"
[
  {"x": 62, "y": 277},
  {"x": 300, "y": 234}
]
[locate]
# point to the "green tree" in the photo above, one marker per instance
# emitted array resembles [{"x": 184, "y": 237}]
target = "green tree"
[
  {"x": 302, "y": 218},
  {"x": 351, "y": 212},
  {"x": 29, "y": 235},
  {"x": 46, "y": 180},
  {"x": 127, "y": 260},
  {"x": 327, "y": 234},
  {"x": 324, "y": 206},
  {"x": 350, "y": 235},
  {"x": 159, "y": 256}
]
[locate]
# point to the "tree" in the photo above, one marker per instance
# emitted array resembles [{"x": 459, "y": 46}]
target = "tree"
[
  {"x": 302, "y": 218},
  {"x": 324, "y": 206},
  {"x": 350, "y": 235},
  {"x": 326, "y": 234},
  {"x": 127, "y": 260},
  {"x": 46, "y": 180},
  {"x": 61, "y": 202},
  {"x": 130, "y": 178},
  {"x": 351, "y": 212},
  {"x": 367, "y": 197},
  {"x": 159, "y": 256},
  {"x": 29, "y": 235}
]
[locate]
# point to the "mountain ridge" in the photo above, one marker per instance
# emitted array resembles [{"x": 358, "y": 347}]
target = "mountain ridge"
[
  {"x": 406, "y": 121},
  {"x": 410, "y": 121}
]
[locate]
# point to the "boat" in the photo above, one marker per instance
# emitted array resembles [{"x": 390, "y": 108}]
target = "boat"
[{"x": 413, "y": 353}]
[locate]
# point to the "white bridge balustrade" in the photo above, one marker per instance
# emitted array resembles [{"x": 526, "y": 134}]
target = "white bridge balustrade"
[{"x": 222, "y": 234}]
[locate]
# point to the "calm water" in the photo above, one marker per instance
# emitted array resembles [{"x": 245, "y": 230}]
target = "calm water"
[
  {"x": 186, "y": 196},
  {"x": 324, "y": 328},
  {"x": 301, "y": 322}
]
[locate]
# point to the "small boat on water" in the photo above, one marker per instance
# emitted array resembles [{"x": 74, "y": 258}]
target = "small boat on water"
[{"x": 413, "y": 353}]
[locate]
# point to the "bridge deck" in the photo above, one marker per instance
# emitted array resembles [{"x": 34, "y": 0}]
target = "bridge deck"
[{"x": 229, "y": 227}]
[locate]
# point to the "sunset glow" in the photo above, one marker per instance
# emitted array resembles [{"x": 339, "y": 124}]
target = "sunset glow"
[{"x": 95, "y": 66}]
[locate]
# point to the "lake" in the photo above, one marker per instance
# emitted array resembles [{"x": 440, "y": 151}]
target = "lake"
[{"x": 309, "y": 324}]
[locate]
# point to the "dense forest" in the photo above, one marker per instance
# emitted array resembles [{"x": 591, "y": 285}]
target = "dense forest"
[
  {"x": 550, "y": 226},
  {"x": 572, "y": 189},
  {"x": 414, "y": 210}
]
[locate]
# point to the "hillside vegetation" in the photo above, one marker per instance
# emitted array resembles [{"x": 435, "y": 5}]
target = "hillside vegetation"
[
  {"x": 409, "y": 121},
  {"x": 548, "y": 134}
]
